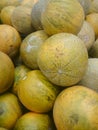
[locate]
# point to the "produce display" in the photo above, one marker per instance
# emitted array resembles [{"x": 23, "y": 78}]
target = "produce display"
[{"x": 48, "y": 64}]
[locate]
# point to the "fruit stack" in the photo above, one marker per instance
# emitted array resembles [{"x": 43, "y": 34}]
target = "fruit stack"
[{"x": 48, "y": 64}]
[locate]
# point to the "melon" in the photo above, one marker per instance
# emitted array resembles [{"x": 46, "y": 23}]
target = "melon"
[
  {"x": 62, "y": 16},
  {"x": 20, "y": 72},
  {"x": 36, "y": 93},
  {"x": 6, "y": 72},
  {"x": 92, "y": 18},
  {"x": 90, "y": 79},
  {"x": 10, "y": 110},
  {"x": 6, "y": 13},
  {"x": 36, "y": 13},
  {"x": 21, "y": 19},
  {"x": 31, "y": 121},
  {"x": 93, "y": 52},
  {"x": 10, "y": 40},
  {"x": 63, "y": 59},
  {"x": 30, "y": 47},
  {"x": 87, "y": 34},
  {"x": 76, "y": 108}
]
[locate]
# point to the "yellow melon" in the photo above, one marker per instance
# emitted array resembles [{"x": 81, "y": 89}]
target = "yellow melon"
[
  {"x": 6, "y": 13},
  {"x": 62, "y": 16},
  {"x": 36, "y": 93},
  {"x": 20, "y": 72},
  {"x": 30, "y": 46},
  {"x": 31, "y": 121},
  {"x": 92, "y": 18},
  {"x": 10, "y": 40},
  {"x": 76, "y": 108},
  {"x": 10, "y": 110},
  {"x": 6, "y": 72},
  {"x": 63, "y": 59}
]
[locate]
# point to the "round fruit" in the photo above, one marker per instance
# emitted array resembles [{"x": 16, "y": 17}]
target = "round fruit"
[
  {"x": 6, "y": 13},
  {"x": 21, "y": 19},
  {"x": 92, "y": 18},
  {"x": 63, "y": 59},
  {"x": 10, "y": 110},
  {"x": 90, "y": 79},
  {"x": 76, "y": 108},
  {"x": 6, "y": 72},
  {"x": 20, "y": 72},
  {"x": 62, "y": 16},
  {"x": 35, "y": 121},
  {"x": 36, "y": 93},
  {"x": 36, "y": 13},
  {"x": 87, "y": 34},
  {"x": 10, "y": 40},
  {"x": 30, "y": 46}
]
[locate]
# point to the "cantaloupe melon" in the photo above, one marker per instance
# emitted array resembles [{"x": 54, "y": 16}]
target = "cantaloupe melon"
[{"x": 63, "y": 59}]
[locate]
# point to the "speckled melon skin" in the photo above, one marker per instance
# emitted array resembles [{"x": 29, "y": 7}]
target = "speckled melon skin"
[
  {"x": 76, "y": 108},
  {"x": 62, "y": 16},
  {"x": 63, "y": 59}
]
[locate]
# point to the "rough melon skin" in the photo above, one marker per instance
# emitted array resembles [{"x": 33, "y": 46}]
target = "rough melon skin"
[
  {"x": 90, "y": 79},
  {"x": 63, "y": 59},
  {"x": 76, "y": 108},
  {"x": 62, "y": 16},
  {"x": 21, "y": 19}
]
